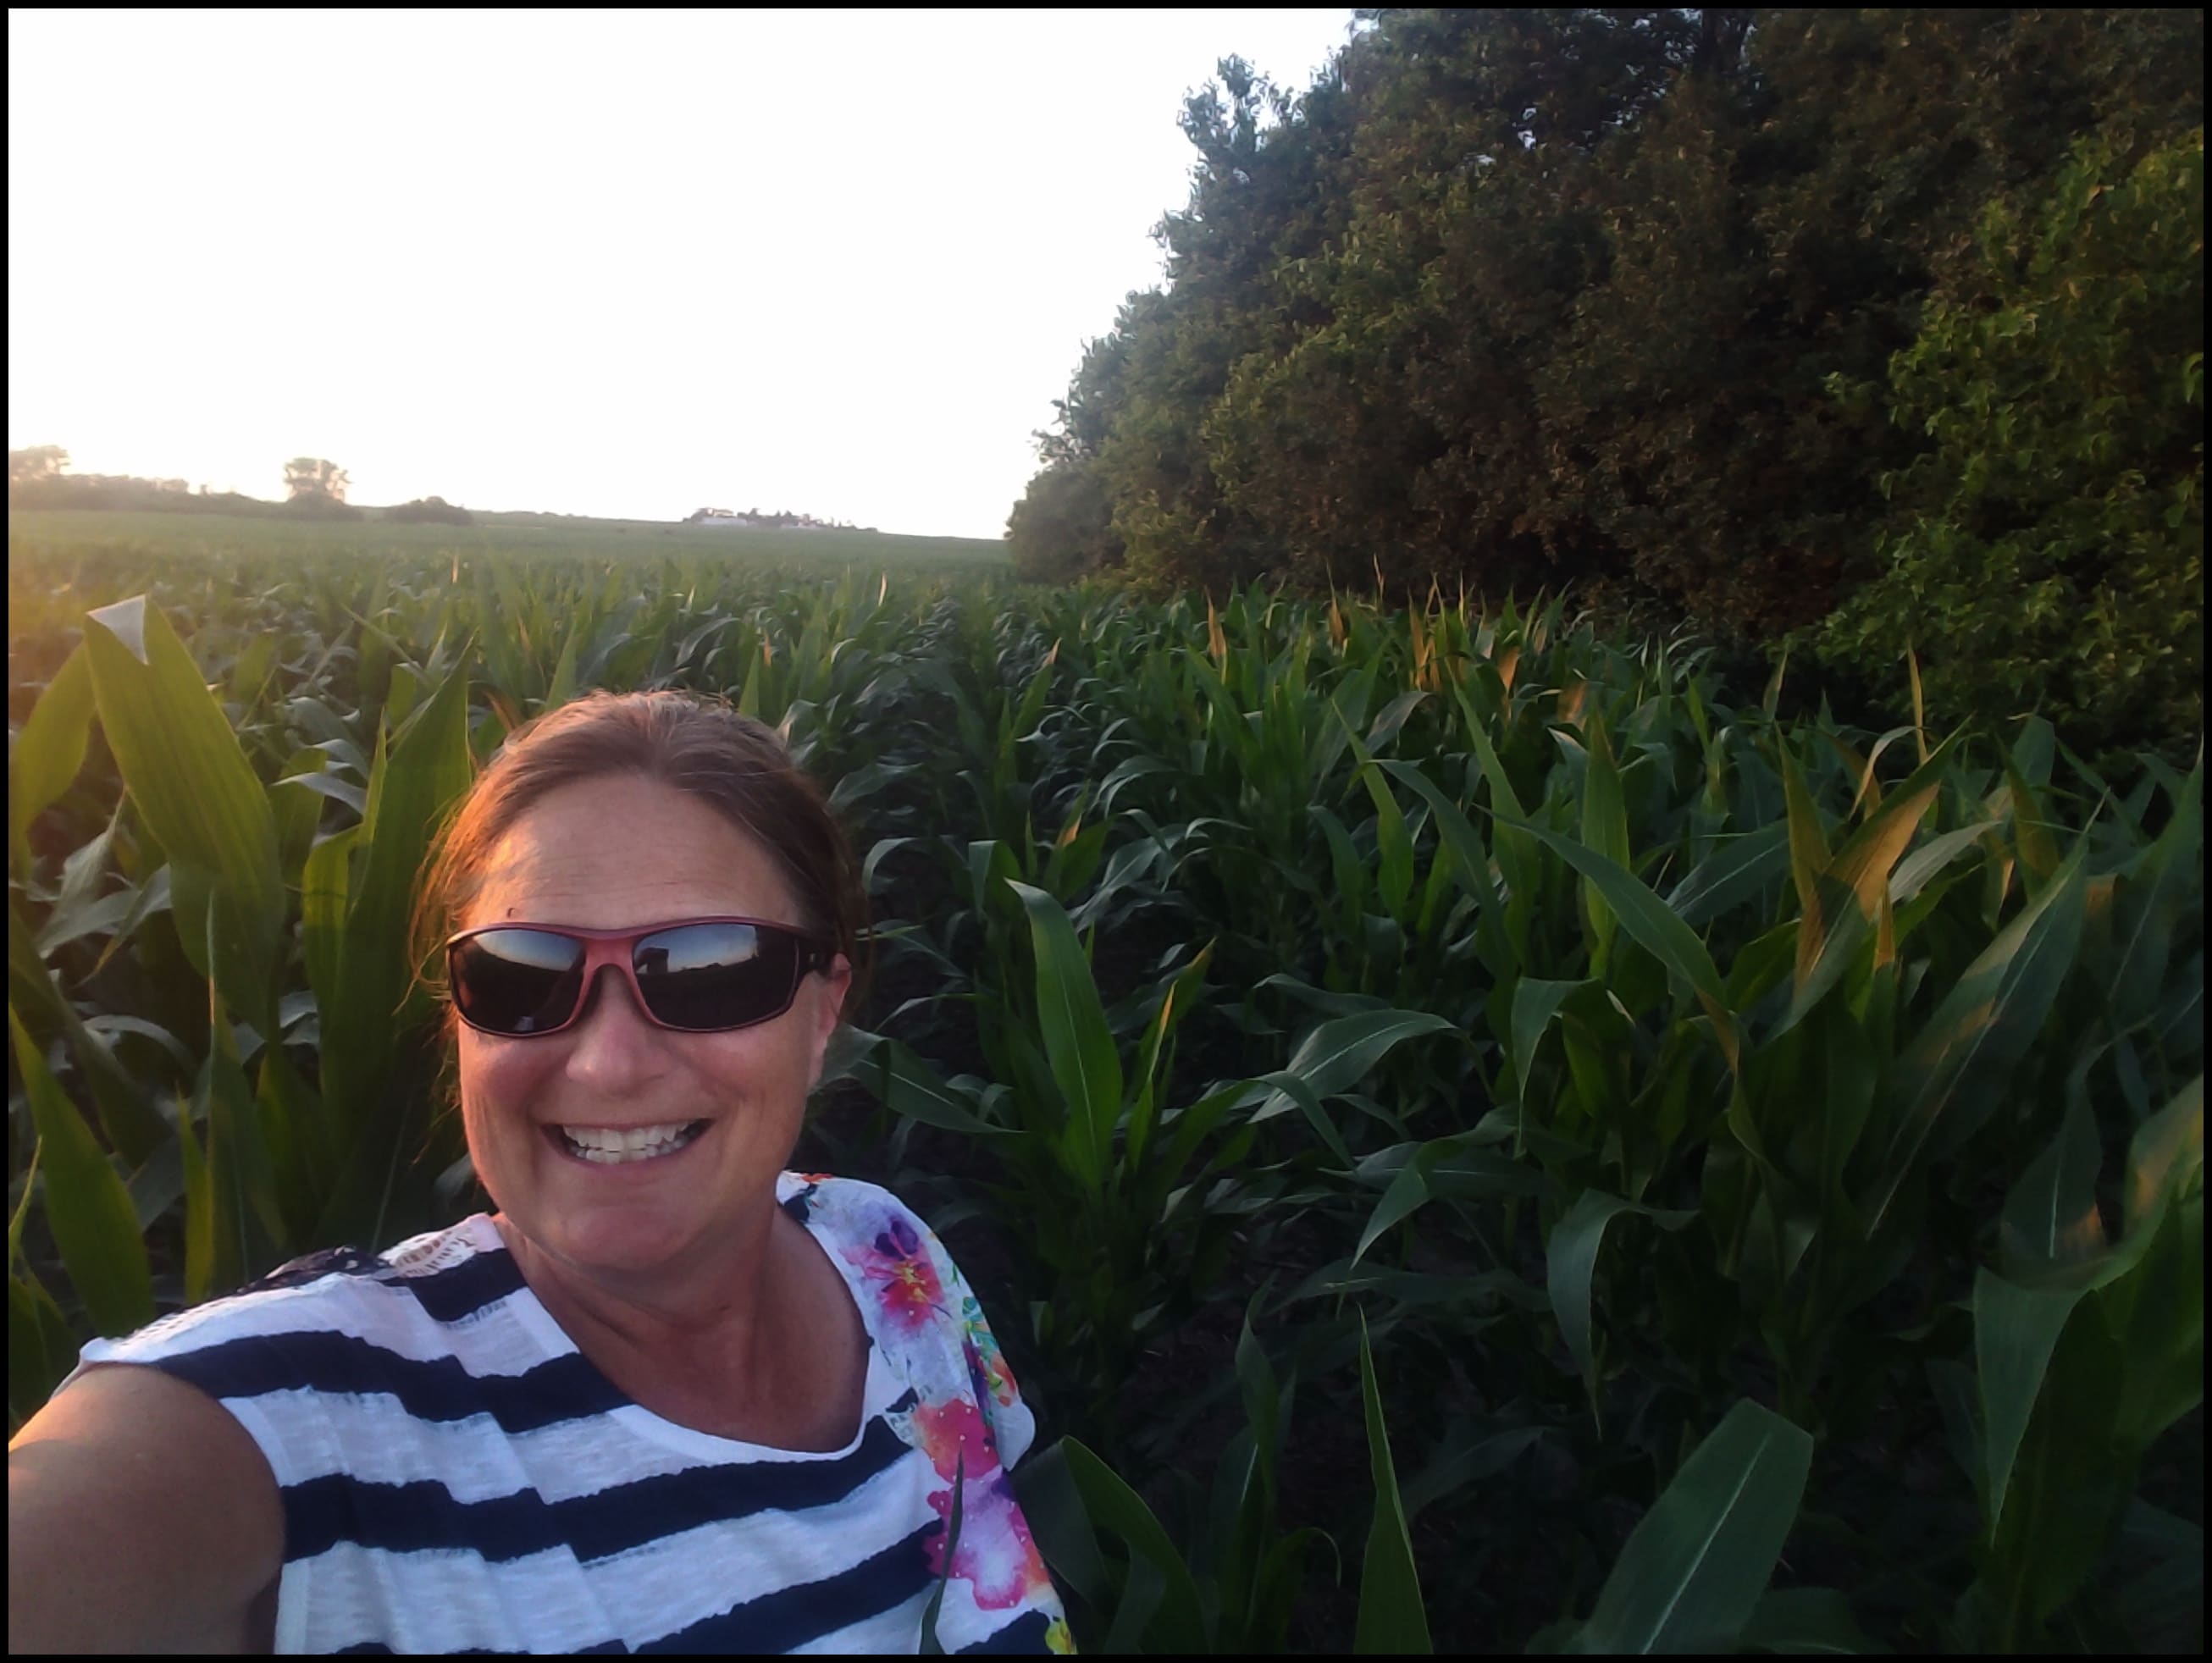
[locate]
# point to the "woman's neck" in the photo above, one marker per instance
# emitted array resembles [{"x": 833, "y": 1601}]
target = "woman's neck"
[{"x": 700, "y": 1329}]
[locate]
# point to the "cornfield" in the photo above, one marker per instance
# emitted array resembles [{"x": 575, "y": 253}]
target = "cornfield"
[{"x": 1473, "y": 1133}]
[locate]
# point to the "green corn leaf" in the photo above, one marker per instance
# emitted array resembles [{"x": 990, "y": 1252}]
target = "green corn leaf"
[
  {"x": 198, "y": 795},
  {"x": 88, "y": 1207},
  {"x": 1534, "y": 1005},
  {"x": 1341, "y": 1053},
  {"x": 325, "y": 880},
  {"x": 1691, "y": 1573},
  {"x": 1917, "y": 869},
  {"x": 48, "y": 752},
  {"x": 907, "y": 1086},
  {"x": 2051, "y": 1218},
  {"x": 1053, "y": 1506},
  {"x": 1460, "y": 840},
  {"x": 134, "y": 1128},
  {"x": 415, "y": 780},
  {"x": 1731, "y": 875},
  {"x": 2150, "y": 900},
  {"x": 1954, "y": 1066},
  {"x": 562, "y": 686},
  {"x": 2164, "y": 1158},
  {"x": 1442, "y": 1167},
  {"x": 1605, "y": 832},
  {"x": 1393, "y": 843},
  {"x": 2016, "y": 1329},
  {"x": 930, "y": 1645},
  {"x": 1648, "y": 921},
  {"x": 1392, "y": 1618},
  {"x": 1808, "y": 1622},
  {"x": 1078, "y": 1044},
  {"x": 1284, "y": 1085},
  {"x": 1571, "y": 1267},
  {"x": 1176, "y": 1622},
  {"x": 41, "y": 1352},
  {"x": 2039, "y": 852}
]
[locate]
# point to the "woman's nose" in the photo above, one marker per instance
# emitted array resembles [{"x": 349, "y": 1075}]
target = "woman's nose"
[{"x": 614, "y": 1042}]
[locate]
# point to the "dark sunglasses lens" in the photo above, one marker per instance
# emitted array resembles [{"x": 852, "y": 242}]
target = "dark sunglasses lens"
[
  {"x": 715, "y": 976},
  {"x": 516, "y": 981}
]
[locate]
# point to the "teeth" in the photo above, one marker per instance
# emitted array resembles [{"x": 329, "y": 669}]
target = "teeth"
[{"x": 607, "y": 1145}]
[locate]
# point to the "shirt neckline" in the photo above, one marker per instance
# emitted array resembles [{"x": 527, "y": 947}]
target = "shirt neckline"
[{"x": 555, "y": 1341}]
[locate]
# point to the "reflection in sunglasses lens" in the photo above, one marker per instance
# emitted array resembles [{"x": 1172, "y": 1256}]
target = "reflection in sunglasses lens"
[
  {"x": 517, "y": 982},
  {"x": 714, "y": 975}
]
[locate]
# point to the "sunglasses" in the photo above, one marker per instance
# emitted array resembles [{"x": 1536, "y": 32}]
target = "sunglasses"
[{"x": 701, "y": 975}]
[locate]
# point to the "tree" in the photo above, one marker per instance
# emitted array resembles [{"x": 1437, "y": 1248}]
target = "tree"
[
  {"x": 36, "y": 465},
  {"x": 2047, "y": 551},
  {"x": 312, "y": 477}
]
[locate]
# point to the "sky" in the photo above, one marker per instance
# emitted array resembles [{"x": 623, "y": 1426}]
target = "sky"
[{"x": 627, "y": 263}]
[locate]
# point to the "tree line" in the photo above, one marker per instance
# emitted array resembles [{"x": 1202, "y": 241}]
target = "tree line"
[
  {"x": 314, "y": 487},
  {"x": 1831, "y": 329}
]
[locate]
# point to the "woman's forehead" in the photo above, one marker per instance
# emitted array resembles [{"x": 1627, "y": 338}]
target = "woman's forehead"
[{"x": 608, "y": 854}]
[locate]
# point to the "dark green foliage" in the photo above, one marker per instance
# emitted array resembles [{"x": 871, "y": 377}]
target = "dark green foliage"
[
  {"x": 1513, "y": 296},
  {"x": 2047, "y": 552},
  {"x": 434, "y": 510}
]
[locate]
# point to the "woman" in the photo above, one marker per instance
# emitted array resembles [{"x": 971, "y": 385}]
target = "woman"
[{"x": 669, "y": 1395}]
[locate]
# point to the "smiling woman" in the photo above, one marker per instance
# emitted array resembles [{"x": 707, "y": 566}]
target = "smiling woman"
[{"x": 670, "y": 1395}]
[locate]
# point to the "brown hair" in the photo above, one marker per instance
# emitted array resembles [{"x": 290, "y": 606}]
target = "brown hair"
[{"x": 735, "y": 765}]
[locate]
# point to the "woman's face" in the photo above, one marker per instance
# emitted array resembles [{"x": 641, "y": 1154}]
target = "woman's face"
[{"x": 620, "y": 853}]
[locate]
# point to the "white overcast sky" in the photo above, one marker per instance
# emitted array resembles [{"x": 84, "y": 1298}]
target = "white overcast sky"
[{"x": 623, "y": 262}]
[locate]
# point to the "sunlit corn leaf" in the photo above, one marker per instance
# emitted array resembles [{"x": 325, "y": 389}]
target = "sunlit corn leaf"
[
  {"x": 2039, "y": 852},
  {"x": 198, "y": 795},
  {"x": 41, "y": 1350},
  {"x": 1914, "y": 872},
  {"x": 87, "y": 1207},
  {"x": 48, "y": 752},
  {"x": 1693, "y": 1570},
  {"x": 1392, "y": 1618},
  {"x": 1858, "y": 874}
]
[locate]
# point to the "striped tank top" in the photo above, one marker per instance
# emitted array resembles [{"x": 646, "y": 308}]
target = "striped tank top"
[{"x": 456, "y": 1475}]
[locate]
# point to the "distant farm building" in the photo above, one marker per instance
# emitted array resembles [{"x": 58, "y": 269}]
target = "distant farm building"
[{"x": 757, "y": 520}]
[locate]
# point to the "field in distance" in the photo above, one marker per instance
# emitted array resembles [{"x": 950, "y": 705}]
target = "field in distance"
[{"x": 39, "y": 536}]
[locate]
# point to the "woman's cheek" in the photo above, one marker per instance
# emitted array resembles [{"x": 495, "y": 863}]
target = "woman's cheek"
[{"x": 497, "y": 1077}]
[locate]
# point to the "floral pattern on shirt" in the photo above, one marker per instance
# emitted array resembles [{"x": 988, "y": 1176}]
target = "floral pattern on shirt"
[
  {"x": 966, "y": 1414},
  {"x": 908, "y": 1288},
  {"x": 993, "y": 1551}
]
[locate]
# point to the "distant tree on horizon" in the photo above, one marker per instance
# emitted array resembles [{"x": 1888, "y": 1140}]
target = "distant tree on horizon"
[
  {"x": 313, "y": 477},
  {"x": 36, "y": 465}
]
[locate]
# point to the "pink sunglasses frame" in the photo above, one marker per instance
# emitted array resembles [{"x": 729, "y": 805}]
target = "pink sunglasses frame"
[{"x": 616, "y": 947}]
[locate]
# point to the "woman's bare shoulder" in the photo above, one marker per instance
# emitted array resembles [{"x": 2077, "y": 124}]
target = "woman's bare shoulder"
[{"x": 141, "y": 1517}]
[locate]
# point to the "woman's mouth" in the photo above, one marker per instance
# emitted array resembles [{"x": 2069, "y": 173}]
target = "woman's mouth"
[{"x": 616, "y": 1146}]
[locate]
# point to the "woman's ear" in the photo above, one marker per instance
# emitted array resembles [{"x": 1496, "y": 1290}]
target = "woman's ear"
[{"x": 830, "y": 1008}]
